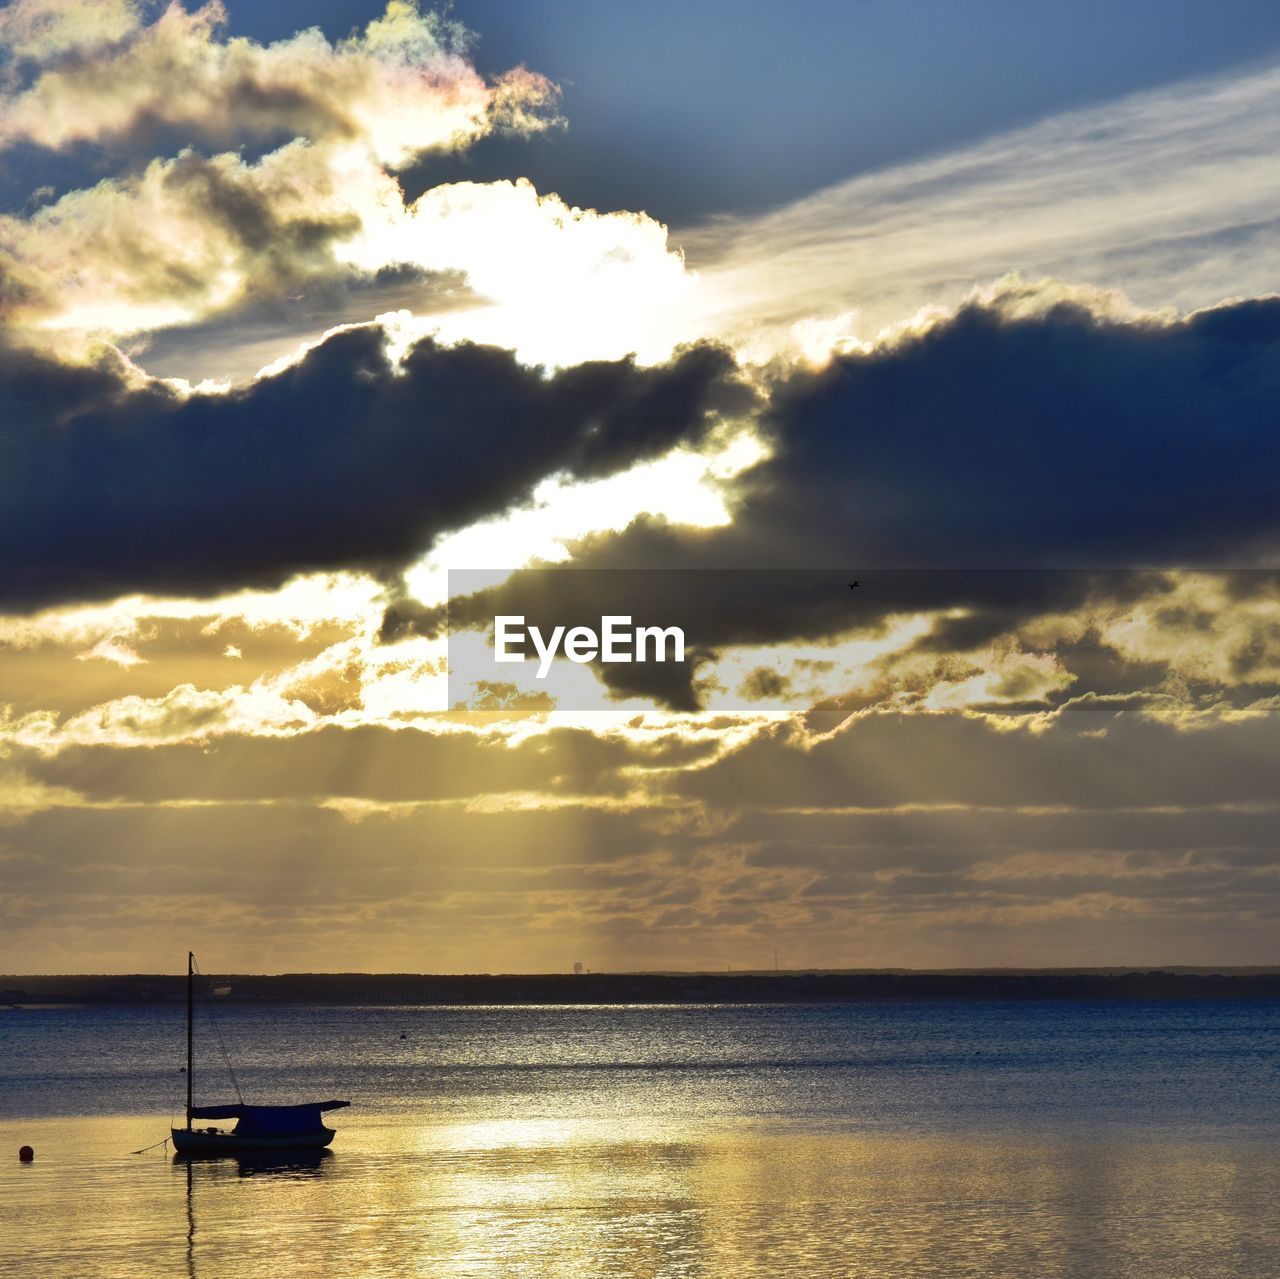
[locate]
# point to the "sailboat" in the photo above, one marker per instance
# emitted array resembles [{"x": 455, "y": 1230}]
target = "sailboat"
[{"x": 258, "y": 1128}]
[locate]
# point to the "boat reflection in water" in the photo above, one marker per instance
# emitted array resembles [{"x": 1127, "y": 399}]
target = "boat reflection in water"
[{"x": 294, "y": 1165}]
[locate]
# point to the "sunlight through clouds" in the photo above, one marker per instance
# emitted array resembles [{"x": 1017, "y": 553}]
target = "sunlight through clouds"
[
  {"x": 290, "y": 333},
  {"x": 685, "y": 487}
]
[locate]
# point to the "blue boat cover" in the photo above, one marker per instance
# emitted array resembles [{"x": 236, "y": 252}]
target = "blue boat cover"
[{"x": 271, "y": 1121}]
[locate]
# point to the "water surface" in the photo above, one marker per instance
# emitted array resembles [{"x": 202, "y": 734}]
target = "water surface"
[{"x": 867, "y": 1140}]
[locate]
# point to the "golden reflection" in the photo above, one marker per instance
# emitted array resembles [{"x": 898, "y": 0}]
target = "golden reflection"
[{"x": 487, "y": 1193}]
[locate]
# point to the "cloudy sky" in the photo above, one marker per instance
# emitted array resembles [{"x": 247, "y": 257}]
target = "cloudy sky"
[{"x": 307, "y": 307}]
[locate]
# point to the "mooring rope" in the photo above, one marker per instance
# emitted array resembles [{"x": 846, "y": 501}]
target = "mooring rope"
[{"x": 153, "y": 1145}]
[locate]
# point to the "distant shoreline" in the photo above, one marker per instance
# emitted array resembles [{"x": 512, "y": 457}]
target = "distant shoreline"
[{"x": 656, "y": 988}]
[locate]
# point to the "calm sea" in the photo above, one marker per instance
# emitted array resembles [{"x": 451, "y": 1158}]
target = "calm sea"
[{"x": 881, "y": 1140}]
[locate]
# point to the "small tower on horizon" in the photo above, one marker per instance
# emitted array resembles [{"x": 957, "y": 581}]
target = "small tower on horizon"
[{"x": 577, "y": 968}]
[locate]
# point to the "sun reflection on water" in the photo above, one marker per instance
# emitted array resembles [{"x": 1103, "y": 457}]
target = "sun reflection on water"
[{"x": 583, "y": 1198}]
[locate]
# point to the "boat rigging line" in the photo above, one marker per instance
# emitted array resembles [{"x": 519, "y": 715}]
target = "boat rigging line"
[{"x": 208, "y": 1012}]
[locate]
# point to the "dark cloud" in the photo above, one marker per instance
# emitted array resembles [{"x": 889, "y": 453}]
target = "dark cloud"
[
  {"x": 1002, "y": 466},
  {"x": 342, "y": 460},
  {"x": 1061, "y": 441}
]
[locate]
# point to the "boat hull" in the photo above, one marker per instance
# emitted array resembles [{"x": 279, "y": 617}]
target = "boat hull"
[{"x": 191, "y": 1141}]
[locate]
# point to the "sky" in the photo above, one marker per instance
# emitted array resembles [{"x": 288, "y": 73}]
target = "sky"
[{"x": 330, "y": 332}]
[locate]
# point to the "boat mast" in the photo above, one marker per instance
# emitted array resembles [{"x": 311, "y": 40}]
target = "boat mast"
[{"x": 190, "y": 966}]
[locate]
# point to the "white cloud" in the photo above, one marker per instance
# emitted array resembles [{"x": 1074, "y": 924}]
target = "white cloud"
[
  {"x": 114, "y": 650},
  {"x": 1169, "y": 195},
  {"x": 402, "y": 87},
  {"x": 185, "y": 713},
  {"x": 556, "y": 283},
  {"x": 193, "y": 236},
  {"x": 302, "y": 605},
  {"x": 39, "y": 30}
]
